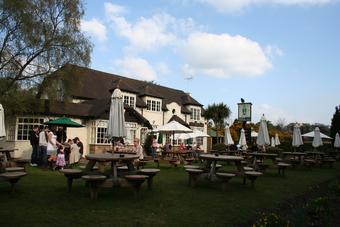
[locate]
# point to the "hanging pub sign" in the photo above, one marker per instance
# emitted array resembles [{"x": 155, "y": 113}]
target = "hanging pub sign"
[{"x": 244, "y": 111}]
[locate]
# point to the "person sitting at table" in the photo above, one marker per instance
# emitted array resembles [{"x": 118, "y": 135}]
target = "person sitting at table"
[
  {"x": 138, "y": 149},
  {"x": 181, "y": 147}
]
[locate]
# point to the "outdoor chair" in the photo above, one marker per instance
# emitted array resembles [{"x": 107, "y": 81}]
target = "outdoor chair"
[
  {"x": 71, "y": 174},
  {"x": 136, "y": 181},
  {"x": 94, "y": 181},
  {"x": 150, "y": 173},
  {"x": 281, "y": 167},
  {"x": 225, "y": 177},
  {"x": 193, "y": 176},
  {"x": 252, "y": 176},
  {"x": 12, "y": 177}
]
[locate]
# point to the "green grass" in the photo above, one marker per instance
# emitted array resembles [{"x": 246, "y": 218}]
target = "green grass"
[{"x": 41, "y": 199}]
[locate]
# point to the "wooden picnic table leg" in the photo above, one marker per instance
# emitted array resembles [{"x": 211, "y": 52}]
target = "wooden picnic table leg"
[
  {"x": 90, "y": 165},
  {"x": 114, "y": 172},
  {"x": 212, "y": 169}
]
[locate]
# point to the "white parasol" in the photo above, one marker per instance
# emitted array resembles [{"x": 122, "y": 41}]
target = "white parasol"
[
  {"x": 263, "y": 136},
  {"x": 228, "y": 140},
  {"x": 2, "y": 122},
  {"x": 337, "y": 141}
]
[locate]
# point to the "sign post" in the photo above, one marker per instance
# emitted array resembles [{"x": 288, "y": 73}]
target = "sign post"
[{"x": 244, "y": 115}]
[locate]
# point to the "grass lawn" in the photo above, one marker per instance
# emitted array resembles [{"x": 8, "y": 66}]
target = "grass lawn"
[{"x": 41, "y": 199}]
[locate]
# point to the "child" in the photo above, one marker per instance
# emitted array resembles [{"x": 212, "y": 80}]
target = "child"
[{"x": 60, "y": 163}]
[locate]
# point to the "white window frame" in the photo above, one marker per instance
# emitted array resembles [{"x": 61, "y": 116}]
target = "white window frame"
[
  {"x": 98, "y": 132},
  {"x": 195, "y": 114},
  {"x": 153, "y": 105},
  {"x": 24, "y": 125},
  {"x": 129, "y": 99}
]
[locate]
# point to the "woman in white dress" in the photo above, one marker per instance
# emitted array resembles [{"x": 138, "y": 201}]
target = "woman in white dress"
[{"x": 74, "y": 152}]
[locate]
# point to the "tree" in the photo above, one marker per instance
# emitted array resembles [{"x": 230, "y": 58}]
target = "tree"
[
  {"x": 218, "y": 113},
  {"x": 37, "y": 37},
  {"x": 335, "y": 125}
]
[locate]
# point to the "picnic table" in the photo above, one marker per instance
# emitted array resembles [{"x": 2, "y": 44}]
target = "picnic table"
[
  {"x": 7, "y": 152},
  {"x": 211, "y": 161},
  {"x": 113, "y": 158},
  {"x": 262, "y": 156}
]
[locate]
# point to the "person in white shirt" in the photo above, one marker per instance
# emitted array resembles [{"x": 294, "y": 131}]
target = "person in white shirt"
[
  {"x": 138, "y": 149},
  {"x": 43, "y": 140}
]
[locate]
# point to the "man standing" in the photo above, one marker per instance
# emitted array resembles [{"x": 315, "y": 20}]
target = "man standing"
[
  {"x": 34, "y": 140},
  {"x": 43, "y": 139},
  {"x": 80, "y": 145}
]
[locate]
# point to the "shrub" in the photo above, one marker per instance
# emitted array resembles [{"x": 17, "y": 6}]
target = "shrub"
[{"x": 271, "y": 220}]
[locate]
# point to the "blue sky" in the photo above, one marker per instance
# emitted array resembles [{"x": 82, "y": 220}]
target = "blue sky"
[{"x": 281, "y": 55}]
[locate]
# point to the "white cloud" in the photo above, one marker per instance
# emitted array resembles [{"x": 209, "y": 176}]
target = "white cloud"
[
  {"x": 224, "y": 55},
  {"x": 274, "y": 51},
  {"x": 138, "y": 68},
  {"x": 237, "y": 5},
  {"x": 146, "y": 33},
  {"x": 94, "y": 28},
  {"x": 163, "y": 68}
]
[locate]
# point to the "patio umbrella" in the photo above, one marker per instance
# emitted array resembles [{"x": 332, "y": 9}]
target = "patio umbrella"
[
  {"x": 243, "y": 142},
  {"x": 228, "y": 140},
  {"x": 2, "y": 122},
  {"x": 64, "y": 121},
  {"x": 116, "y": 125},
  {"x": 160, "y": 138},
  {"x": 297, "y": 139},
  {"x": 263, "y": 136},
  {"x": 317, "y": 141},
  {"x": 337, "y": 141},
  {"x": 173, "y": 127},
  {"x": 272, "y": 144},
  {"x": 277, "y": 140},
  {"x": 312, "y": 134}
]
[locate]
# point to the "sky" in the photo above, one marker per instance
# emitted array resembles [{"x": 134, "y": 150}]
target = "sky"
[{"x": 283, "y": 56}]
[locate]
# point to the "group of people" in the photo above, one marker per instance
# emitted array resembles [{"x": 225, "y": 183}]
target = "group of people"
[{"x": 49, "y": 148}]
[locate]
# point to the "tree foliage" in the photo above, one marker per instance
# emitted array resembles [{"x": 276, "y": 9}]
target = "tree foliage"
[
  {"x": 335, "y": 125},
  {"x": 37, "y": 37},
  {"x": 218, "y": 113}
]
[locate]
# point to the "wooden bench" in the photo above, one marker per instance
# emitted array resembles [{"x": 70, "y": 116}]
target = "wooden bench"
[
  {"x": 136, "y": 181},
  {"x": 189, "y": 160},
  {"x": 252, "y": 176},
  {"x": 309, "y": 162},
  {"x": 225, "y": 177},
  {"x": 71, "y": 174},
  {"x": 15, "y": 169},
  {"x": 12, "y": 177},
  {"x": 94, "y": 168},
  {"x": 329, "y": 161},
  {"x": 193, "y": 175},
  {"x": 94, "y": 181},
  {"x": 150, "y": 173},
  {"x": 262, "y": 166},
  {"x": 191, "y": 167},
  {"x": 247, "y": 168},
  {"x": 21, "y": 162},
  {"x": 281, "y": 167},
  {"x": 174, "y": 162}
]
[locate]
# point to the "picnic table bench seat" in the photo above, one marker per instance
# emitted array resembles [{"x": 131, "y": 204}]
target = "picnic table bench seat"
[
  {"x": 174, "y": 162},
  {"x": 94, "y": 181},
  {"x": 252, "y": 176},
  {"x": 71, "y": 174},
  {"x": 309, "y": 162},
  {"x": 262, "y": 166},
  {"x": 191, "y": 167},
  {"x": 12, "y": 177},
  {"x": 193, "y": 175},
  {"x": 225, "y": 177},
  {"x": 15, "y": 169},
  {"x": 281, "y": 167},
  {"x": 329, "y": 161},
  {"x": 247, "y": 168},
  {"x": 150, "y": 173},
  {"x": 136, "y": 181}
]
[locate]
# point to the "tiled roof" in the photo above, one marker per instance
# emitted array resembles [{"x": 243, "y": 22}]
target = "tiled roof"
[{"x": 95, "y": 84}]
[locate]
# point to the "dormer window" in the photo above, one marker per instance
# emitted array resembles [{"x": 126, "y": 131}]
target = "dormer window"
[
  {"x": 153, "y": 105},
  {"x": 130, "y": 99},
  {"x": 195, "y": 114}
]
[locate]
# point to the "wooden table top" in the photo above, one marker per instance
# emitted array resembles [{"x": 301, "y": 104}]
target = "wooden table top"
[
  {"x": 107, "y": 157},
  {"x": 294, "y": 153},
  {"x": 221, "y": 157}
]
